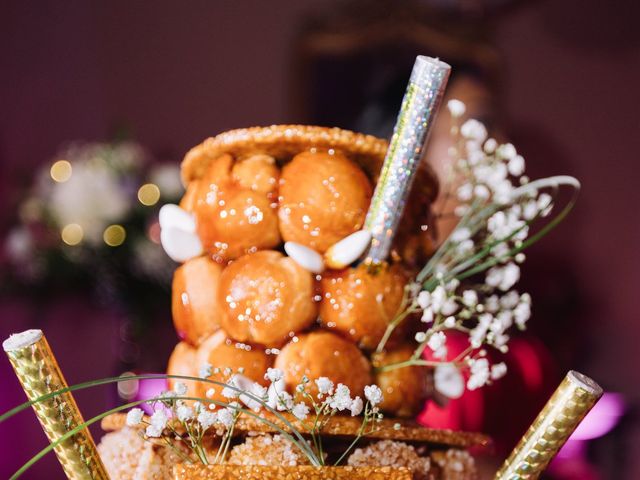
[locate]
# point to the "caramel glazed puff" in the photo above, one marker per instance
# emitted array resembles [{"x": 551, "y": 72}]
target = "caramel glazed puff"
[
  {"x": 323, "y": 197},
  {"x": 360, "y": 306},
  {"x": 222, "y": 352},
  {"x": 194, "y": 303},
  {"x": 235, "y": 205},
  {"x": 405, "y": 389},
  {"x": 324, "y": 354},
  {"x": 266, "y": 298}
]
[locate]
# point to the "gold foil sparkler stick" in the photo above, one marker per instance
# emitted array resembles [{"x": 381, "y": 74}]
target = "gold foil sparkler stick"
[
  {"x": 39, "y": 374},
  {"x": 564, "y": 411}
]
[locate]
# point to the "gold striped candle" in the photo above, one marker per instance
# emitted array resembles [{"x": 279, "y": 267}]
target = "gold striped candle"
[
  {"x": 562, "y": 414},
  {"x": 39, "y": 374}
]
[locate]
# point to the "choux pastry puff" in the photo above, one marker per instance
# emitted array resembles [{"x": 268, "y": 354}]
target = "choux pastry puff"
[
  {"x": 266, "y": 298},
  {"x": 222, "y": 353},
  {"x": 404, "y": 389},
  {"x": 324, "y": 197},
  {"x": 359, "y": 305},
  {"x": 235, "y": 206},
  {"x": 324, "y": 354},
  {"x": 194, "y": 301},
  {"x": 183, "y": 362}
]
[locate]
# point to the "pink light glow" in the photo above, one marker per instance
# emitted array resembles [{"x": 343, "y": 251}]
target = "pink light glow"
[
  {"x": 150, "y": 388},
  {"x": 601, "y": 419}
]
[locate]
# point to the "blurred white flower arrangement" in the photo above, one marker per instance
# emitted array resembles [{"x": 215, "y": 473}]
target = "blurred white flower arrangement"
[{"x": 90, "y": 219}]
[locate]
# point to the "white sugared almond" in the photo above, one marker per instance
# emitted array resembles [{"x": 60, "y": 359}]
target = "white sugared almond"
[
  {"x": 305, "y": 257},
  {"x": 180, "y": 245},
  {"x": 348, "y": 250},
  {"x": 172, "y": 216}
]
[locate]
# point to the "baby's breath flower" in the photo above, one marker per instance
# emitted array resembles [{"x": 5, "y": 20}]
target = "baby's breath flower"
[
  {"x": 153, "y": 431},
  {"x": 424, "y": 299},
  {"x": 134, "y": 417},
  {"x": 456, "y": 108},
  {"x": 356, "y": 407},
  {"x": 373, "y": 394},
  {"x": 205, "y": 370},
  {"x": 460, "y": 234},
  {"x": 180, "y": 388},
  {"x": 474, "y": 130},
  {"x": 427, "y": 315},
  {"x": 450, "y": 322},
  {"x": 498, "y": 370},
  {"x": 184, "y": 413},
  {"x": 341, "y": 399},
  {"x": 225, "y": 417},
  {"x": 206, "y": 418},
  {"x": 465, "y": 192},
  {"x": 479, "y": 373},
  {"x": 210, "y": 393},
  {"x": 521, "y": 314},
  {"x": 300, "y": 411},
  {"x": 325, "y": 386},
  {"x": 438, "y": 297},
  {"x": 274, "y": 374},
  {"x": 507, "y": 151},
  {"x": 510, "y": 300},
  {"x": 255, "y": 392},
  {"x": 516, "y": 166},
  {"x": 490, "y": 145},
  {"x": 449, "y": 307},
  {"x": 448, "y": 380},
  {"x": 421, "y": 337},
  {"x": 470, "y": 298},
  {"x": 158, "y": 422},
  {"x": 437, "y": 343}
]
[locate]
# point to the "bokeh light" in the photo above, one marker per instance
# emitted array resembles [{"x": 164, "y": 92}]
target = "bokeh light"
[
  {"x": 72, "y": 234},
  {"x": 61, "y": 171},
  {"x": 128, "y": 389},
  {"x": 149, "y": 194},
  {"x": 114, "y": 235}
]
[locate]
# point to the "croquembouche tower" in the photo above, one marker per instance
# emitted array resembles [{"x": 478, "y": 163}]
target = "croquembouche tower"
[
  {"x": 275, "y": 237},
  {"x": 305, "y": 258}
]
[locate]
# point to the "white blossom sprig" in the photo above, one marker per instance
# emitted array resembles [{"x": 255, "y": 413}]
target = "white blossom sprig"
[
  {"x": 498, "y": 206},
  {"x": 180, "y": 419}
]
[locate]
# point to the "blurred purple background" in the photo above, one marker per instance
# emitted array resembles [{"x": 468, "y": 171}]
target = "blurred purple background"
[{"x": 175, "y": 73}]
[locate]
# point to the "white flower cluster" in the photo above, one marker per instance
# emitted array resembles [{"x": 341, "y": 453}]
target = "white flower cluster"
[{"x": 497, "y": 206}]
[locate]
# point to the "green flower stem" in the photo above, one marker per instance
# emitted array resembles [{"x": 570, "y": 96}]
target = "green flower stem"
[
  {"x": 300, "y": 442},
  {"x": 412, "y": 362},
  {"x": 358, "y": 436}
]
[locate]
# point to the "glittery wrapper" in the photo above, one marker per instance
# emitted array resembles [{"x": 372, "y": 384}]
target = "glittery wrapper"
[
  {"x": 411, "y": 132},
  {"x": 255, "y": 472},
  {"x": 564, "y": 411},
  {"x": 39, "y": 374}
]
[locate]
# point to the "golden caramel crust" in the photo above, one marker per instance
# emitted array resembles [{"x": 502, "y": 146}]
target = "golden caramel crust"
[
  {"x": 235, "y": 206},
  {"x": 283, "y": 142},
  {"x": 324, "y": 197},
  {"x": 221, "y": 352},
  {"x": 359, "y": 305},
  {"x": 266, "y": 298},
  {"x": 194, "y": 300},
  {"x": 324, "y": 354},
  {"x": 347, "y": 426},
  {"x": 285, "y": 472},
  {"x": 404, "y": 389}
]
